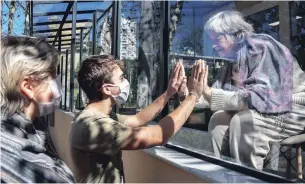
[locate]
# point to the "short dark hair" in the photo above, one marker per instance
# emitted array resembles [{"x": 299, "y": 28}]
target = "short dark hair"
[{"x": 95, "y": 71}]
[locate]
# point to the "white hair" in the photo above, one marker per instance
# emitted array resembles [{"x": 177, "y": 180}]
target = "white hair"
[
  {"x": 229, "y": 23},
  {"x": 20, "y": 57}
]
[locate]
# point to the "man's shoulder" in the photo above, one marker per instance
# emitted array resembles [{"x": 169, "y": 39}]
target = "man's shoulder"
[{"x": 89, "y": 115}]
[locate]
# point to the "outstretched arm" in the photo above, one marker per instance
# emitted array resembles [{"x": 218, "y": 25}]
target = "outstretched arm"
[{"x": 152, "y": 110}]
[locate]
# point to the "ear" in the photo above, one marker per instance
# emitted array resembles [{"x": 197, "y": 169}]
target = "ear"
[
  {"x": 26, "y": 88},
  {"x": 106, "y": 90}
]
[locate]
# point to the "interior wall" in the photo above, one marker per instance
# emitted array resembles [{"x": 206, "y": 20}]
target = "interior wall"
[{"x": 140, "y": 167}]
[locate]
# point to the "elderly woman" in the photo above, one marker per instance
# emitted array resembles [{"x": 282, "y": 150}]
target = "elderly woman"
[
  {"x": 268, "y": 101},
  {"x": 29, "y": 90}
]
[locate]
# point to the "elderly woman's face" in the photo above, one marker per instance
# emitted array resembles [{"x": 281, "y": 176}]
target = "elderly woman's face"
[{"x": 221, "y": 44}]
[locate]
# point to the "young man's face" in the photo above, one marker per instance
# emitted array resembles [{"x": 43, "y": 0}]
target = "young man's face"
[{"x": 117, "y": 78}]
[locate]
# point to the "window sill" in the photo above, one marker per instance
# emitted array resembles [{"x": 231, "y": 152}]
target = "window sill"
[{"x": 207, "y": 171}]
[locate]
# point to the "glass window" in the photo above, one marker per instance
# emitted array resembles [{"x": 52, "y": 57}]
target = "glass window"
[
  {"x": 103, "y": 32},
  {"x": 140, "y": 49},
  {"x": 297, "y": 21},
  {"x": 266, "y": 21},
  {"x": 189, "y": 42}
]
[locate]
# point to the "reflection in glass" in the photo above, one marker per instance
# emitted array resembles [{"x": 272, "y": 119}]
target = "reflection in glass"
[
  {"x": 266, "y": 21},
  {"x": 190, "y": 42},
  {"x": 140, "y": 48}
]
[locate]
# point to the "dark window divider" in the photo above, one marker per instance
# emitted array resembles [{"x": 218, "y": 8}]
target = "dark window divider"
[
  {"x": 164, "y": 49},
  {"x": 66, "y": 79},
  {"x": 74, "y": 19}
]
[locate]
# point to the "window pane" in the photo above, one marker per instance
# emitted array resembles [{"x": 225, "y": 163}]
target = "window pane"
[
  {"x": 103, "y": 29},
  {"x": 240, "y": 141},
  {"x": 297, "y": 21},
  {"x": 140, "y": 49}
]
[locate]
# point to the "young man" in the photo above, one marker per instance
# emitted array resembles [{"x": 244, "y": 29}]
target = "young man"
[{"x": 98, "y": 136}]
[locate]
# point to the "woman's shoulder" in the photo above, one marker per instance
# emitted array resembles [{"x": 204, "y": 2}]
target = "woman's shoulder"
[
  {"x": 260, "y": 36},
  {"x": 262, "y": 41}
]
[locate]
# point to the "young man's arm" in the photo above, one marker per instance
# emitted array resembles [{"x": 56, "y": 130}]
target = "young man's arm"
[
  {"x": 152, "y": 110},
  {"x": 145, "y": 137},
  {"x": 148, "y": 113}
]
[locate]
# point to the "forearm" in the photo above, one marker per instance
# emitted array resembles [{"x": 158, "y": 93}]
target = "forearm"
[
  {"x": 152, "y": 110},
  {"x": 146, "y": 137},
  {"x": 170, "y": 124}
]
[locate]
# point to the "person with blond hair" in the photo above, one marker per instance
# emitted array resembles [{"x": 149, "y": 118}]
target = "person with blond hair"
[{"x": 29, "y": 90}]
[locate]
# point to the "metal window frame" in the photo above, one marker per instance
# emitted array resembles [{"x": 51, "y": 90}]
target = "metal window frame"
[
  {"x": 116, "y": 26},
  {"x": 61, "y": 76},
  {"x": 94, "y": 18},
  {"x": 69, "y": 6},
  {"x": 66, "y": 79},
  {"x": 60, "y": 22},
  {"x": 62, "y": 13},
  {"x": 80, "y": 63},
  {"x": 164, "y": 49},
  {"x": 74, "y": 20}
]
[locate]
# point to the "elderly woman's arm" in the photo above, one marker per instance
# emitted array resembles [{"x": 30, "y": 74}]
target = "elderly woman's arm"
[{"x": 220, "y": 99}]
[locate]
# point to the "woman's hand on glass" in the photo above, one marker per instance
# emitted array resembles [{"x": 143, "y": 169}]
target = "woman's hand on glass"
[{"x": 197, "y": 79}]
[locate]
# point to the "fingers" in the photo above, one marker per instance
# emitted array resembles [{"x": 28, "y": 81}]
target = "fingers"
[
  {"x": 201, "y": 76},
  {"x": 196, "y": 69},
  {"x": 182, "y": 70},
  {"x": 193, "y": 71},
  {"x": 200, "y": 68},
  {"x": 174, "y": 70},
  {"x": 175, "y": 74},
  {"x": 177, "y": 71},
  {"x": 206, "y": 74}
]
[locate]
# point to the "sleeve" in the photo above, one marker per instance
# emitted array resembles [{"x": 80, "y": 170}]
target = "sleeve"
[
  {"x": 227, "y": 100},
  {"x": 202, "y": 103},
  {"x": 103, "y": 135},
  {"x": 121, "y": 118}
]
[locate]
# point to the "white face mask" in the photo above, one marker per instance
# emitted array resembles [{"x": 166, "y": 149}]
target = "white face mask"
[
  {"x": 124, "y": 92},
  {"x": 46, "y": 108}
]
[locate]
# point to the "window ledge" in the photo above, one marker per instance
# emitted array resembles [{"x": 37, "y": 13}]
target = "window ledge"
[{"x": 207, "y": 171}]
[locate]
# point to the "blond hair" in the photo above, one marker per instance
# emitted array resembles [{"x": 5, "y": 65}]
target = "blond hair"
[{"x": 20, "y": 57}]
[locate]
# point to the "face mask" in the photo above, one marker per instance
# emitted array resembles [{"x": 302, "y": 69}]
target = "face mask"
[
  {"x": 124, "y": 92},
  {"x": 49, "y": 107}
]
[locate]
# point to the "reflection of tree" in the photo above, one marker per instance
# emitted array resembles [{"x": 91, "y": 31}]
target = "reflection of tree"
[
  {"x": 175, "y": 18},
  {"x": 261, "y": 22},
  {"x": 190, "y": 40},
  {"x": 131, "y": 72},
  {"x": 298, "y": 36}
]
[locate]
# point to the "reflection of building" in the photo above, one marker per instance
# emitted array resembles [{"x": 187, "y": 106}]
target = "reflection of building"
[
  {"x": 189, "y": 60},
  {"x": 105, "y": 37},
  {"x": 129, "y": 40}
]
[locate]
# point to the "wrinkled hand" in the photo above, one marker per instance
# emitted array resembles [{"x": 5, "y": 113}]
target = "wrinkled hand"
[
  {"x": 198, "y": 78},
  {"x": 175, "y": 80}
]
